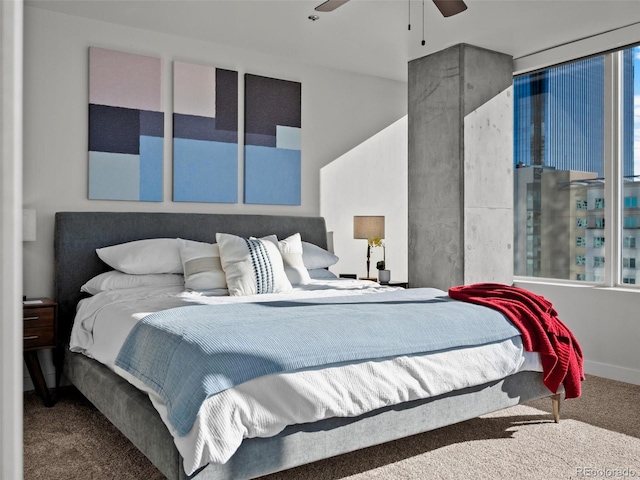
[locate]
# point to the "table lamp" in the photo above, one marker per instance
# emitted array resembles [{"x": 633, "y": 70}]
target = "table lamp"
[{"x": 369, "y": 228}]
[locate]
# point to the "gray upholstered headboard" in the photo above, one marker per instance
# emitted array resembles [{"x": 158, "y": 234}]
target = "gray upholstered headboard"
[{"x": 78, "y": 234}]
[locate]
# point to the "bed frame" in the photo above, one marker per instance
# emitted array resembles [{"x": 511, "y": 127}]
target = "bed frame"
[{"x": 78, "y": 234}]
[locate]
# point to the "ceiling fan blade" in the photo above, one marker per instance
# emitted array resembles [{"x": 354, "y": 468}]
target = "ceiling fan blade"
[
  {"x": 330, "y": 5},
  {"x": 450, "y": 7}
]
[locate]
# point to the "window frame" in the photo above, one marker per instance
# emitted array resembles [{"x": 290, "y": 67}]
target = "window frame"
[{"x": 612, "y": 164}]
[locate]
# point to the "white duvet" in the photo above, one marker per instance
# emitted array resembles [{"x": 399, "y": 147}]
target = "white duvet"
[{"x": 265, "y": 406}]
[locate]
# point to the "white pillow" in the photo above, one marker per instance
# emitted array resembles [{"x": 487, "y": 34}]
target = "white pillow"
[
  {"x": 321, "y": 274},
  {"x": 252, "y": 265},
  {"x": 291, "y": 251},
  {"x": 154, "y": 255},
  {"x": 201, "y": 264},
  {"x": 315, "y": 257},
  {"x": 115, "y": 280}
]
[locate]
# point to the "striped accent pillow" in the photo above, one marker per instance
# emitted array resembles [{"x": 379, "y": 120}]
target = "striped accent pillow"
[
  {"x": 201, "y": 265},
  {"x": 262, "y": 266},
  {"x": 252, "y": 265}
]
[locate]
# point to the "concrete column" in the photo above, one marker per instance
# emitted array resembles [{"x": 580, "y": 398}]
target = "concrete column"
[{"x": 460, "y": 168}]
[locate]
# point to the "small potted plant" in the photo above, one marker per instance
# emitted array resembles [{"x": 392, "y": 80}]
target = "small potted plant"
[{"x": 384, "y": 276}]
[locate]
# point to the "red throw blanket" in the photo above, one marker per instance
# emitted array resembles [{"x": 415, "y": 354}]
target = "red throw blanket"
[{"x": 542, "y": 331}]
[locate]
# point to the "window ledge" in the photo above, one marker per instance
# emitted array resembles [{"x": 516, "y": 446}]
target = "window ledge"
[{"x": 554, "y": 282}]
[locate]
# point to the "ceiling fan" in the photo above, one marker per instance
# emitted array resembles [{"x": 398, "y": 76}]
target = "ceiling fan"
[{"x": 446, "y": 7}]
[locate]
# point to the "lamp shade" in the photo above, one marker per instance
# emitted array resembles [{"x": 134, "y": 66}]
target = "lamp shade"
[
  {"x": 368, "y": 227},
  {"x": 28, "y": 225}
]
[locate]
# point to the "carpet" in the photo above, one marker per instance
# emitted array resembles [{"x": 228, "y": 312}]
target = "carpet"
[{"x": 597, "y": 437}]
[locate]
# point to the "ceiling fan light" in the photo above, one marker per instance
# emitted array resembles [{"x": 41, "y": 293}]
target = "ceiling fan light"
[
  {"x": 330, "y": 5},
  {"x": 449, "y": 8}
]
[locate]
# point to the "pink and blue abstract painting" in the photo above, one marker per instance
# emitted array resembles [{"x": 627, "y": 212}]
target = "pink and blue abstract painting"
[
  {"x": 205, "y": 134},
  {"x": 273, "y": 142},
  {"x": 126, "y": 126}
]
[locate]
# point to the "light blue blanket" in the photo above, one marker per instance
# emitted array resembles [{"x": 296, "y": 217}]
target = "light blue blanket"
[{"x": 187, "y": 354}]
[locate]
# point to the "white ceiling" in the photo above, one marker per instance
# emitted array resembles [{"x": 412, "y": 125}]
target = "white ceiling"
[{"x": 365, "y": 36}]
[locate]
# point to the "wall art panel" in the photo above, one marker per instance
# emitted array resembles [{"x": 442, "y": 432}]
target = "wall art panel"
[
  {"x": 205, "y": 134},
  {"x": 126, "y": 126},
  {"x": 272, "y": 160}
]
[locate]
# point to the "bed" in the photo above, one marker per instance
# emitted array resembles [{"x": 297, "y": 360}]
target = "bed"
[{"x": 79, "y": 234}]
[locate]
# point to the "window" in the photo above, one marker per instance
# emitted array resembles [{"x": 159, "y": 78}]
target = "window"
[
  {"x": 561, "y": 152},
  {"x": 630, "y": 222},
  {"x": 630, "y": 156}
]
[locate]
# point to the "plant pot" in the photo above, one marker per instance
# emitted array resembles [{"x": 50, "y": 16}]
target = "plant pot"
[{"x": 384, "y": 276}]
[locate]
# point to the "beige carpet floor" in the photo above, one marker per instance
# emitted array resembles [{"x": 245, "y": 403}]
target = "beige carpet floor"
[{"x": 598, "y": 437}]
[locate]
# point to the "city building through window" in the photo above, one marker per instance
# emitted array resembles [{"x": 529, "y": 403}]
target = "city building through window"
[{"x": 562, "y": 156}]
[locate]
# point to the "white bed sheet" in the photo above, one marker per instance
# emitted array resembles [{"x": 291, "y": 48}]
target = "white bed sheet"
[{"x": 265, "y": 406}]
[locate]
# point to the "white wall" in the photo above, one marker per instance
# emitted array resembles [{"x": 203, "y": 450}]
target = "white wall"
[
  {"x": 339, "y": 110},
  {"x": 370, "y": 179},
  {"x": 605, "y": 321}
]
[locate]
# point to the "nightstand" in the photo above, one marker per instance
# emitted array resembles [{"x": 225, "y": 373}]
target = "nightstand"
[{"x": 39, "y": 317}]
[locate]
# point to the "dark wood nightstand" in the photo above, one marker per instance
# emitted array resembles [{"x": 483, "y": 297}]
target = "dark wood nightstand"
[{"x": 39, "y": 318}]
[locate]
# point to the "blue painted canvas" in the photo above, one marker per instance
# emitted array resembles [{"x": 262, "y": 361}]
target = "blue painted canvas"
[
  {"x": 126, "y": 126},
  {"x": 273, "y": 143},
  {"x": 205, "y": 134}
]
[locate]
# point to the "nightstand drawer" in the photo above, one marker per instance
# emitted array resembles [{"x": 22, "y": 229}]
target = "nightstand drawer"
[
  {"x": 39, "y": 324},
  {"x": 34, "y": 337},
  {"x": 38, "y": 317}
]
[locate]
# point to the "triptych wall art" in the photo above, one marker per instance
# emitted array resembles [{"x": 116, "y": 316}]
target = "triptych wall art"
[{"x": 126, "y": 133}]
